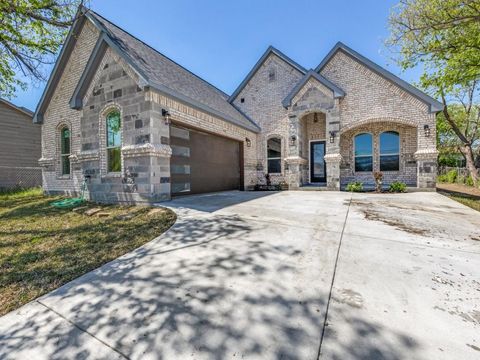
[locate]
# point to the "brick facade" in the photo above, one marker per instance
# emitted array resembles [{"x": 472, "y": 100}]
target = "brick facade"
[{"x": 369, "y": 103}]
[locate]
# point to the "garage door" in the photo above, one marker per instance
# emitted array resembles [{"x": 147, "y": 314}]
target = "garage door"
[{"x": 203, "y": 162}]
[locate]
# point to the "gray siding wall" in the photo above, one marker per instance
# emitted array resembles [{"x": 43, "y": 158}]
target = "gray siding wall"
[{"x": 20, "y": 149}]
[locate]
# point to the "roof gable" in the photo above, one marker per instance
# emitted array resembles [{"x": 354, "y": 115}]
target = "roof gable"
[
  {"x": 21, "y": 109},
  {"x": 154, "y": 69},
  {"x": 270, "y": 50},
  {"x": 337, "y": 92},
  {"x": 60, "y": 64},
  {"x": 434, "y": 105}
]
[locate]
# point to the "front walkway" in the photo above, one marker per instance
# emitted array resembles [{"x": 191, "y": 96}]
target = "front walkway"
[{"x": 250, "y": 275}]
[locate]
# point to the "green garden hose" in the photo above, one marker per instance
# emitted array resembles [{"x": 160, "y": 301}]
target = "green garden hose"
[{"x": 71, "y": 202}]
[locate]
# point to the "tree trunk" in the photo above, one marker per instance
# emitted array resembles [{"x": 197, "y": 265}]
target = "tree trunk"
[{"x": 470, "y": 159}]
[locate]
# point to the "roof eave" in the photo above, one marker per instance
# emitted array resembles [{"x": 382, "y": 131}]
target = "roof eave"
[
  {"x": 259, "y": 63},
  {"x": 336, "y": 91},
  {"x": 434, "y": 105},
  {"x": 188, "y": 101},
  {"x": 59, "y": 65}
]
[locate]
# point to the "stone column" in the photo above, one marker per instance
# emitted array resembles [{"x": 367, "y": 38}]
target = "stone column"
[
  {"x": 333, "y": 157},
  {"x": 426, "y": 168},
  {"x": 293, "y": 161}
]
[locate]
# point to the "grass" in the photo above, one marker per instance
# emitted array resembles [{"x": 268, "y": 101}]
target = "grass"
[
  {"x": 42, "y": 248},
  {"x": 468, "y": 201}
]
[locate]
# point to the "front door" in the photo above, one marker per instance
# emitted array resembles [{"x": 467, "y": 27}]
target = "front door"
[{"x": 318, "y": 170}]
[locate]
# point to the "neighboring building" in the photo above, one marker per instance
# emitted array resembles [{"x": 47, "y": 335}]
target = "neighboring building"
[
  {"x": 143, "y": 128},
  {"x": 20, "y": 147}
]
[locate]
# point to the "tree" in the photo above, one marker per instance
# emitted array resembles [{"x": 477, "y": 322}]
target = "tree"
[
  {"x": 31, "y": 34},
  {"x": 443, "y": 36}
]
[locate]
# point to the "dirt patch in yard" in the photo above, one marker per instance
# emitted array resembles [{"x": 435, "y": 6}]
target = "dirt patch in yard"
[{"x": 377, "y": 212}]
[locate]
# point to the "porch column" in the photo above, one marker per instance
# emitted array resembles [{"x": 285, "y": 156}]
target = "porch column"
[
  {"x": 293, "y": 161},
  {"x": 333, "y": 157}
]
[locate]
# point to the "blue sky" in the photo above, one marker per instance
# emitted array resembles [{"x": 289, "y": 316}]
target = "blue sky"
[{"x": 221, "y": 40}]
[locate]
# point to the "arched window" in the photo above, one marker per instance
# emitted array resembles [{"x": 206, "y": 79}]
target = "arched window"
[
  {"x": 274, "y": 155},
  {"x": 114, "y": 142},
  {"x": 389, "y": 151},
  {"x": 363, "y": 152},
  {"x": 65, "y": 150}
]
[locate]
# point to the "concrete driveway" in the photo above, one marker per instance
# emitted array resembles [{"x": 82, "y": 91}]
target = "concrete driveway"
[{"x": 275, "y": 276}]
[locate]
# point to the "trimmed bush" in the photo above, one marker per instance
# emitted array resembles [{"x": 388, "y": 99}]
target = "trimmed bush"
[
  {"x": 355, "y": 186},
  {"x": 398, "y": 187}
]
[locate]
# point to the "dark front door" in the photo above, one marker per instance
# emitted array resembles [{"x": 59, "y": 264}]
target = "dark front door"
[
  {"x": 318, "y": 170},
  {"x": 203, "y": 162}
]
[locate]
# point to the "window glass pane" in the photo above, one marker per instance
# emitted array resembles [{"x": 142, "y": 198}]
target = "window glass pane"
[
  {"x": 180, "y": 151},
  {"x": 65, "y": 141},
  {"x": 180, "y": 169},
  {"x": 114, "y": 163},
  {"x": 389, "y": 143},
  {"x": 113, "y": 129},
  {"x": 180, "y": 187},
  {"x": 389, "y": 162},
  {"x": 363, "y": 144},
  {"x": 179, "y": 133},
  {"x": 65, "y": 165},
  {"x": 364, "y": 163},
  {"x": 274, "y": 148},
  {"x": 274, "y": 166}
]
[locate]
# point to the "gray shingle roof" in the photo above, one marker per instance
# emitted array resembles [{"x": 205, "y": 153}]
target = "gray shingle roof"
[{"x": 167, "y": 76}]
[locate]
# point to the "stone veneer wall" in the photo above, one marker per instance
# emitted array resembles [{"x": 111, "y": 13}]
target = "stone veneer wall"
[
  {"x": 145, "y": 161},
  {"x": 59, "y": 113},
  {"x": 408, "y": 146},
  {"x": 263, "y": 97}
]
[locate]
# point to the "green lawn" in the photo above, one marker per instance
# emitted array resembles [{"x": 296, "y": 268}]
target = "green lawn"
[
  {"x": 42, "y": 248},
  {"x": 465, "y": 200}
]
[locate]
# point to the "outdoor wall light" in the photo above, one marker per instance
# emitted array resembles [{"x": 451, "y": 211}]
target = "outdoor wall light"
[
  {"x": 166, "y": 116},
  {"x": 426, "y": 130},
  {"x": 293, "y": 140},
  {"x": 248, "y": 142},
  {"x": 332, "y": 137}
]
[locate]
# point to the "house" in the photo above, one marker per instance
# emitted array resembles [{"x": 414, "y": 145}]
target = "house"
[
  {"x": 139, "y": 127},
  {"x": 20, "y": 147}
]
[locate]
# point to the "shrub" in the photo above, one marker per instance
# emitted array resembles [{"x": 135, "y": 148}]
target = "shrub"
[
  {"x": 442, "y": 178},
  {"x": 398, "y": 187},
  {"x": 355, "y": 186},
  {"x": 469, "y": 180},
  {"x": 452, "y": 176}
]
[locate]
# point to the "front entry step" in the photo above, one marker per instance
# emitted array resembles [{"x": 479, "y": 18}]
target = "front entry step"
[{"x": 314, "y": 187}]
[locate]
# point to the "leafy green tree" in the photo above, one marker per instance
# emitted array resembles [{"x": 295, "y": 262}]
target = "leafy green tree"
[
  {"x": 31, "y": 34},
  {"x": 443, "y": 37}
]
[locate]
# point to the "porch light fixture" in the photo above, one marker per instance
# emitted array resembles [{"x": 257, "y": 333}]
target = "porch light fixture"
[
  {"x": 248, "y": 142},
  {"x": 426, "y": 130},
  {"x": 166, "y": 116},
  {"x": 293, "y": 139},
  {"x": 332, "y": 137}
]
